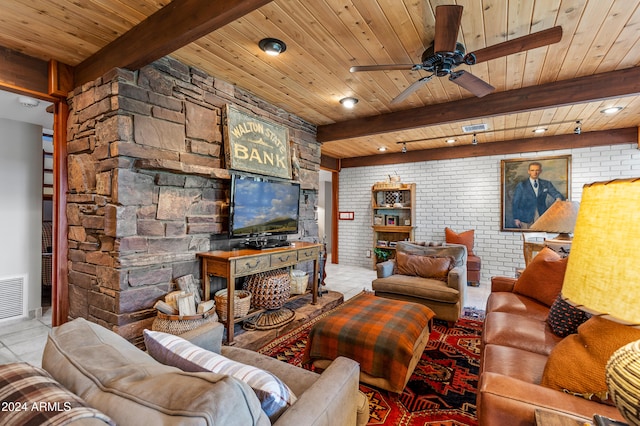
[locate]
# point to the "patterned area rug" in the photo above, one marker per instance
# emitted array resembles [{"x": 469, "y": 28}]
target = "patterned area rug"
[{"x": 442, "y": 389}]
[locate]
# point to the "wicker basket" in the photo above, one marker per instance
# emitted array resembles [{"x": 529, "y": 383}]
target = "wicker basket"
[
  {"x": 270, "y": 289},
  {"x": 241, "y": 305},
  {"x": 176, "y": 324},
  {"x": 299, "y": 281}
]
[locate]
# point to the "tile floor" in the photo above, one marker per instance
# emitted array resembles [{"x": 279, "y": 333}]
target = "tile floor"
[{"x": 24, "y": 340}]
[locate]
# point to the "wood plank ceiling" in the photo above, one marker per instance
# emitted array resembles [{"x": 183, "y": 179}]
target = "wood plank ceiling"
[{"x": 326, "y": 37}]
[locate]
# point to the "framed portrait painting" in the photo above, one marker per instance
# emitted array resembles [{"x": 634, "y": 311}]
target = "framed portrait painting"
[{"x": 529, "y": 186}]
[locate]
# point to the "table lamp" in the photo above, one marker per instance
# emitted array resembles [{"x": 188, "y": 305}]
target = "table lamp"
[
  {"x": 603, "y": 277},
  {"x": 559, "y": 218}
]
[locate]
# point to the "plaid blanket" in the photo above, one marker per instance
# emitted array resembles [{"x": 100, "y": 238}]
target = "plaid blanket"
[{"x": 378, "y": 333}]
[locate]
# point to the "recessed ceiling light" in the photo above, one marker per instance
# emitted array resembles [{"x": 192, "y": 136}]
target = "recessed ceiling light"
[
  {"x": 540, "y": 130},
  {"x": 272, "y": 46},
  {"x": 348, "y": 102},
  {"x": 382, "y": 148},
  {"x": 451, "y": 140},
  {"x": 611, "y": 110}
]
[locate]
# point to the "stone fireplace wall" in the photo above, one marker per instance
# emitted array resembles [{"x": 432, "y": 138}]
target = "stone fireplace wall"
[{"x": 148, "y": 188}]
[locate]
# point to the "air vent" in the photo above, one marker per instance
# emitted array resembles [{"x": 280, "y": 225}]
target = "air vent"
[
  {"x": 12, "y": 301},
  {"x": 474, "y": 128}
]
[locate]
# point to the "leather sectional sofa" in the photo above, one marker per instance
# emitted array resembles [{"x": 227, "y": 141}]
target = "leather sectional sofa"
[{"x": 516, "y": 344}]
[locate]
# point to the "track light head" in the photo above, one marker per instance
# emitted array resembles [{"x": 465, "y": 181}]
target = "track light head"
[
  {"x": 474, "y": 141},
  {"x": 404, "y": 148},
  {"x": 578, "y": 128}
]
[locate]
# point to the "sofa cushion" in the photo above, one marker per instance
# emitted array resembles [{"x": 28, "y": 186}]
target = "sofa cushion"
[
  {"x": 274, "y": 395},
  {"x": 564, "y": 318},
  {"x": 117, "y": 378},
  {"x": 423, "y": 266},
  {"x": 504, "y": 301},
  {"x": 421, "y": 288},
  {"x": 465, "y": 238},
  {"x": 518, "y": 331},
  {"x": 542, "y": 278},
  {"x": 25, "y": 388},
  {"x": 577, "y": 364},
  {"x": 513, "y": 362}
]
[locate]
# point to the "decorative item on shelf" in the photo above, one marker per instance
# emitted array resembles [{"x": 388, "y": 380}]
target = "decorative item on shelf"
[
  {"x": 269, "y": 289},
  {"x": 241, "y": 306},
  {"x": 391, "y": 220},
  {"x": 382, "y": 254},
  {"x": 378, "y": 219},
  {"x": 299, "y": 281},
  {"x": 382, "y": 243},
  {"x": 602, "y": 277},
  {"x": 407, "y": 222}
]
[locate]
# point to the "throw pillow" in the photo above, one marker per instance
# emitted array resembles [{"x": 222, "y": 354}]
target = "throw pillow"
[
  {"x": 32, "y": 396},
  {"x": 465, "y": 238},
  {"x": 577, "y": 363},
  {"x": 565, "y": 318},
  {"x": 542, "y": 278},
  {"x": 424, "y": 266},
  {"x": 274, "y": 395}
]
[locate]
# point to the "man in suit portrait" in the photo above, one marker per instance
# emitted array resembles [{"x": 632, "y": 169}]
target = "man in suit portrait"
[{"x": 530, "y": 197}]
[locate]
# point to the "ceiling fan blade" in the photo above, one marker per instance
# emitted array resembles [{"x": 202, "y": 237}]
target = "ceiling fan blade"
[
  {"x": 448, "y": 20},
  {"x": 412, "y": 88},
  {"x": 520, "y": 44},
  {"x": 391, "y": 67},
  {"x": 472, "y": 83}
]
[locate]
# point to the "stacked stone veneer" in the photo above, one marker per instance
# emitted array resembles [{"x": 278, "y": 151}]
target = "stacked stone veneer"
[{"x": 148, "y": 188}]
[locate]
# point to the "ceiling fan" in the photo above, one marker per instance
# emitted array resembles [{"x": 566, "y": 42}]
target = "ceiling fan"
[{"x": 445, "y": 54}]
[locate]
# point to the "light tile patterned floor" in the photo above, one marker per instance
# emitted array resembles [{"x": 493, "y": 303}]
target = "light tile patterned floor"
[{"x": 24, "y": 340}]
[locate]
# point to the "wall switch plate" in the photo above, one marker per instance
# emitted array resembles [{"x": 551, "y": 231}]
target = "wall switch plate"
[{"x": 368, "y": 253}]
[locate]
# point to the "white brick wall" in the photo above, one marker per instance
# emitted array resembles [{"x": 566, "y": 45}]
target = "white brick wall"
[{"x": 465, "y": 194}]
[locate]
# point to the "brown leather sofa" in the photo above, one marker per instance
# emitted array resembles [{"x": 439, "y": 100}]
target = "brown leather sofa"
[{"x": 516, "y": 342}]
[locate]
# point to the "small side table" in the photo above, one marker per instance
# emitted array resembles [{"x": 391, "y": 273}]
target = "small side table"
[{"x": 552, "y": 418}]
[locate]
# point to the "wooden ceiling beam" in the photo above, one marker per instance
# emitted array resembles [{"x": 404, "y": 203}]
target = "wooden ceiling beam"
[
  {"x": 177, "y": 24},
  {"x": 516, "y": 146},
  {"x": 607, "y": 85}
]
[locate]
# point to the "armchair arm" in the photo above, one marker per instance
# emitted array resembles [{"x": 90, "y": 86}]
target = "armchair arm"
[
  {"x": 502, "y": 284},
  {"x": 207, "y": 336},
  {"x": 385, "y": 269}
]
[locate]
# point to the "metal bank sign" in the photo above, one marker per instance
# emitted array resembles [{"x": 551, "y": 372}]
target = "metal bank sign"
[{"x": 255, "y": 145}]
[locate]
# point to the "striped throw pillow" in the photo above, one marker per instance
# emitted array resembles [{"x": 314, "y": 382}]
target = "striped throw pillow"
[{"x": 274, "y": 395}]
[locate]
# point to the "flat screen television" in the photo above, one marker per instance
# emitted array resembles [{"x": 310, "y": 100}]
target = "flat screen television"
[{"x": 261, "y": 207}]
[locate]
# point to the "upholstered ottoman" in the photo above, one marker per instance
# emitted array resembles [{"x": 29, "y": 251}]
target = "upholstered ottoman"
[{"x": 387, "y": 337}]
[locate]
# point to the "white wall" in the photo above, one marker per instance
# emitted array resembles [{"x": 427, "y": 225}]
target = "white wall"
[
  {"x": 465, "y": 194},
  {"x": 21, "y": 205}
]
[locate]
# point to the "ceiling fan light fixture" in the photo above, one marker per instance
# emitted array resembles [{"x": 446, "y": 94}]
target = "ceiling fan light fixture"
[
  {"x": 611, "y": 110},
  {"x": 348, "y": 102},
  {"x": 272, "y": 46}
]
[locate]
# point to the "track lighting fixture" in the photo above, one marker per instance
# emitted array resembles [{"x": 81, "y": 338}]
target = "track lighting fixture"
[
  {"x": 404, "y": 147},
  {"x": 578, "y": 128},
  {"x": 474, "y": 141}
]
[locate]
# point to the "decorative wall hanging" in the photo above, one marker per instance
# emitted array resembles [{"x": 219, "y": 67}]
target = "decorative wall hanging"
[
  {"x": 255, "y": 145},
  {"x": 529, "y": 187}
]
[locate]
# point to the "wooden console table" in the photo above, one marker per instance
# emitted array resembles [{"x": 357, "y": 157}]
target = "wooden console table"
[{"x": 243, "y": 262}]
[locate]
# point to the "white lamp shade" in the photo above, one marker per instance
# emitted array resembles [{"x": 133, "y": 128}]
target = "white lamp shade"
[{"x": 603, "y": 271}]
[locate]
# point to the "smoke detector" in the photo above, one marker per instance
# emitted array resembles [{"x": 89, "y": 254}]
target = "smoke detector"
[
  {"x": 474, "y": 128},
  {"x": 28, "y": 102}
]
